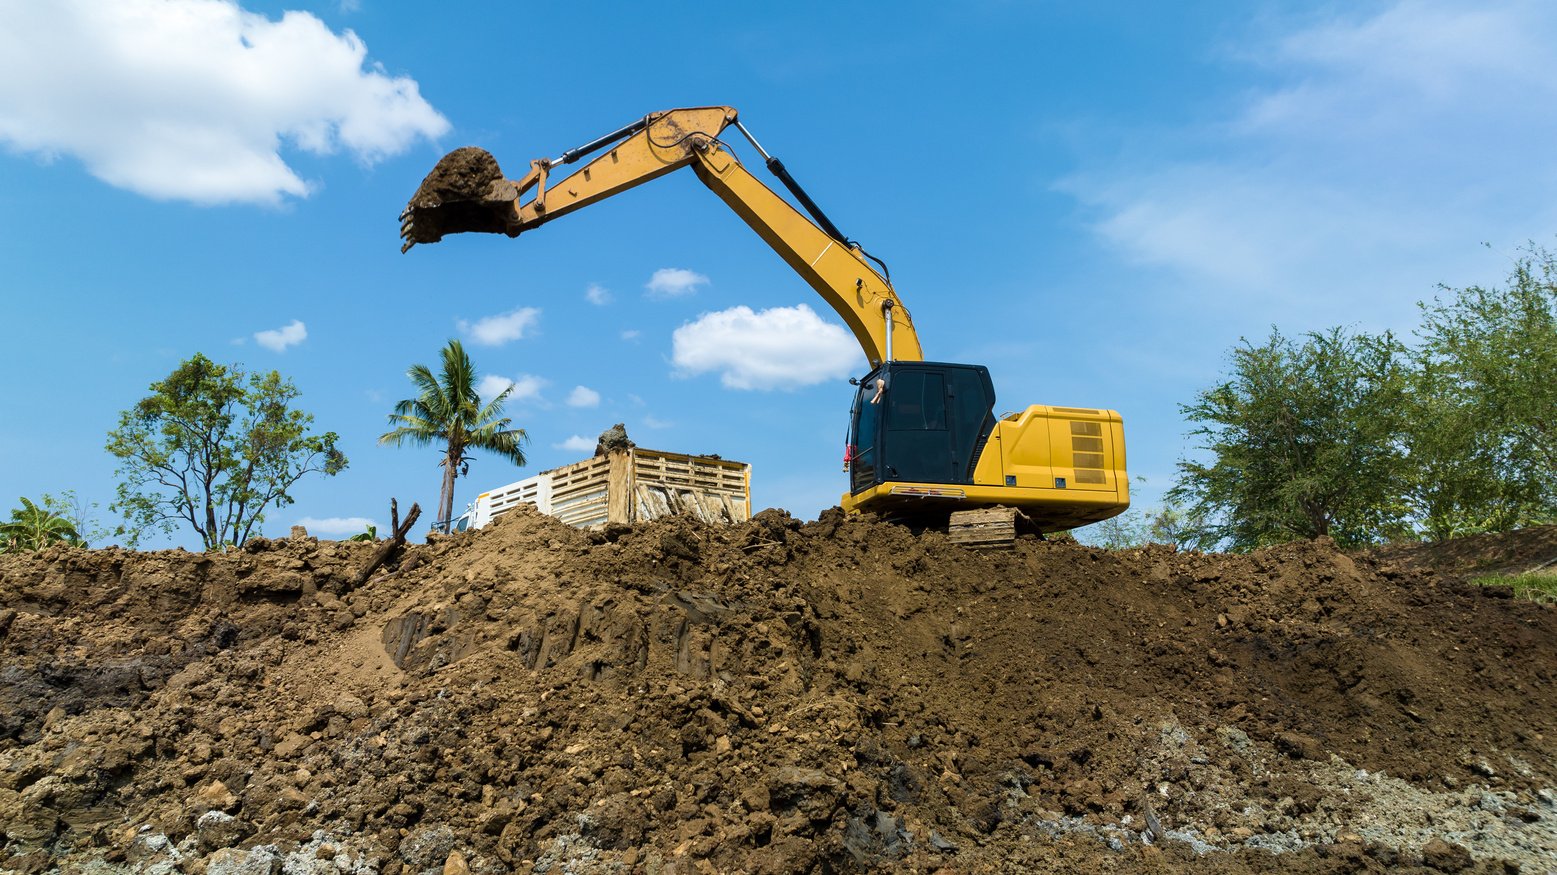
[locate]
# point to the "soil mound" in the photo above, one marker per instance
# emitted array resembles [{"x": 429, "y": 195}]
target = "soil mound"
[
  {"x": 464, "y": 192},
  {"x": 465, "y": 174},
  {"x": 1504, "y": 553},
  {"x": 837, "y": 696},
  {"x": 614, "y": 439}
]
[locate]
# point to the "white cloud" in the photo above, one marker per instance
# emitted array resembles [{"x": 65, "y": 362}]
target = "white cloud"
[
  {"x": 779, "y": 348},
  {"x": 195, "y": 99},
  {"x": 335, "y": 525},
  {"x": 502, "y": 328},
  {"x": 631, "y": 334},
  {"x": 674, "y": 282},
  {"x": 597, "y": 294},
  {"x": 278, "y": 339},
  {"x": 583, "y": 396},
  {"x": 1387, "y": 145},
  {"x": 577, "y": 443},
  {"x": 1368, "y": 74},
  {"x": 527, "y": 387}
]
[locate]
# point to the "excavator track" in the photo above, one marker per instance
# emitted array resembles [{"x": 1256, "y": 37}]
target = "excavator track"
[{"x": 987, "y": 528}]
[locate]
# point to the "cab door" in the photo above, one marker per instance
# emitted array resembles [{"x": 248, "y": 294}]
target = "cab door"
[{"x": 915, "y": 436}]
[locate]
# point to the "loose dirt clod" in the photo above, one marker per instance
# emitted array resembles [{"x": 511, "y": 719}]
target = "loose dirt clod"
[
  {"x": 843, "y": 695},
  {"x": 467, "y": 173},
  {"x": 614, "y": 439},
  {"x": 465, "y": 191}
]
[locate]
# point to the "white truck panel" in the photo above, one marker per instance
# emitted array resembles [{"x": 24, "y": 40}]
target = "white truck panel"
[{"x": 626, "y": 487}]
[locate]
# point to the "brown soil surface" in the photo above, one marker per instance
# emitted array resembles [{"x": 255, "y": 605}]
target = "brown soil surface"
[
  {"x": 1505, "y": 553},
  {"x": 772, "y": 697}
]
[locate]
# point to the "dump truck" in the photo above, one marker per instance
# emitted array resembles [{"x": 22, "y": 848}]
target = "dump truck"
[{"x": 625, "y": 486}]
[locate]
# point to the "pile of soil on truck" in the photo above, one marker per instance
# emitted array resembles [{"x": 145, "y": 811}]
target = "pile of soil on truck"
[{"x": 835, "y": 696}]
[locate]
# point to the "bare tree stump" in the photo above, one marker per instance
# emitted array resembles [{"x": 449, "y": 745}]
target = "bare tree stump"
[{"x": 396, "y": 540}]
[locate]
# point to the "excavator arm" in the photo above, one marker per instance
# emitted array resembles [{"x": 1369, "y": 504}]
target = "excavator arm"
[{"x": 467, "y": 192}]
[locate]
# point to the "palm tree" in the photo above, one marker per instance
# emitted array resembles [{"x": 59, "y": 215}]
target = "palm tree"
[
  {"x": 448, "y": 411},
  {"x": 33, "y": 528}
]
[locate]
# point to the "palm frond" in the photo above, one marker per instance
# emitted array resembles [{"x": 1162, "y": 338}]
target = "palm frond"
[{"x": 447, "y": 409}]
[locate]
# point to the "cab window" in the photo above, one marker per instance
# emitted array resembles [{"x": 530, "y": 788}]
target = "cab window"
[{"x": 916, "y": 401}]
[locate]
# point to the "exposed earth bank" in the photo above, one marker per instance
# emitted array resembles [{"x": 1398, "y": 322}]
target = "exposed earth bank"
[{"x": 838, "y": 696}]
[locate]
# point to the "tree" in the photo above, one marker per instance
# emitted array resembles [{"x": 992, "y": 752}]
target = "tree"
[
  {"x": 81, "y": 514},
  {"x": 1170, "y": 524},
  {"x": 1125, "y": 531},
  {"x": 1305, "y": 440},
  {"x": 1462, "y": 480},
  {"x": 1484, "y": 434},
  {"x": 1138, "y": 527},
  {"x": 33, "y": 527},
  {"x": 448, "y": 410},
  {"x": 213, "y": 446}
]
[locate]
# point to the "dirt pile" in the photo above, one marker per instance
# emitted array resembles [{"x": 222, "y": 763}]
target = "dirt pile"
[
  {"x": 614, "y": 439},
  {"x": 841, "y": 695},
  {"x": 1504, "y": 553},
  {"x": 465, "y": 191}
]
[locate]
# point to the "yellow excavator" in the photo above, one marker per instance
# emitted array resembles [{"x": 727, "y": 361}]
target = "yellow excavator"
[{"x": 923, "y": 440}]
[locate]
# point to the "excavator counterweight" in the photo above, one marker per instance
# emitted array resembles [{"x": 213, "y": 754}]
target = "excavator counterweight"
[{"x": 923, "y": 438}]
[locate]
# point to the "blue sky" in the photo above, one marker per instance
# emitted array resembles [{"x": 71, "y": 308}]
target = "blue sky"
[{"x": 1096, "y": 200}]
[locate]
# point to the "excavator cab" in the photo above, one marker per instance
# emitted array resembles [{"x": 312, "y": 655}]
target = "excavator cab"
[{"x": 919, "y": 422}]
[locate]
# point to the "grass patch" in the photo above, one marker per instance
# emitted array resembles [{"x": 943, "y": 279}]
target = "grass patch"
[{"x": 1537, "y": 586}]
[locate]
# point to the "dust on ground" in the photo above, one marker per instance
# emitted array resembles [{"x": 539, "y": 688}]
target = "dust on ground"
[{"x": 836, "y": 696}]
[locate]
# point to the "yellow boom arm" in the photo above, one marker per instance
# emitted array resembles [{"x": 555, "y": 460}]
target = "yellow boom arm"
[{"x": 836, "y": 268}]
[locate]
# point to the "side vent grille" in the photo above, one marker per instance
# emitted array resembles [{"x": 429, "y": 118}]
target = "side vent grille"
[{"x": 1086, "y": 444}]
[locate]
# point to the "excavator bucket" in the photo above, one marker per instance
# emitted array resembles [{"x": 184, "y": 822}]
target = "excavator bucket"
[{"x": 465, "y": 191}]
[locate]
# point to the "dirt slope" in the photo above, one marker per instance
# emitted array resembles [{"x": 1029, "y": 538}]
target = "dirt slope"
[
  {"x": 773, "y": 697},
  {"x": 1506, "y": 553}
]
